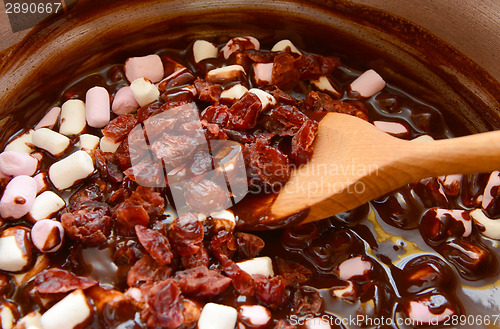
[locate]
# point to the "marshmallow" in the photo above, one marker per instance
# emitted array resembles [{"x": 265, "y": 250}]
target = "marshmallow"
[
  {"x": 344, "y": 293},
  {"x": 324, "y": 84},
  {"x": 263, "y": 73},
  {"x": 47, "y": 235},
  {"x": 226, "y": 74},
  {"x": 149, "y": 67},
  {"x": 45, "y": 205},
  {"x": 124, "y": 101},
  {"x": 283, "y": 44},
  {"x": 70, "y": 312},
  {"x": 419, "y": 312},
  {"x": 14, "y": 163},
  {"x": 22, "y": 143},
  {"x": 368, "y": 84},
  {"x": 88, "y": 143},
  {"x": 144, "y": 91},
  {"x": 217, "y": 316},
  {"x": 234, "y": 93},
  {"x": 255, "y": 316},
  {"x": 451, "y": 184},
  {"x": 203, "y": 49},
  {"x": 97, "y": 107},
  {"x": 457, "y": 215},
  {"x": 50, "y": 119},
  {"x": 258, "y": 265},
  {"x": 8, "y": 315},
  {"x": 73, "y": 120},
  {"x": 18, "y": 197},
  {"x": 223, "y": 220},
  {"x": 493, "y": 181},
  {"x": 42, "y": 184},
  {"x": 107, "y": 145},
  {"x": 30, "y": 321},
  {"x": 353, "y": 267},
  {"x": 50, "y": 141},
  {"x": 15, "y": 249},
  {"x": 317, "y": 323},
  {"x": 238, "y": 43},
  {"x": 423, "y": 138},
  {"x": 42, "y": 262},
  {"x": 265, "y": 98},
  {"x": 491, "y": 226},
  {"x": 393, "y": 128},
  {"x": 68, "y": 171}
]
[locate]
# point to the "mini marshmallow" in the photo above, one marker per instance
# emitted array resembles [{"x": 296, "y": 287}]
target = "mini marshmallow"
[
  {"x": 18, "y": 197},
  {"x": 224, "y": 220},
  {"x": 451, "y": 184},
  {"x": 8, "y": 315},
  {"x": 217, "y": 316},
  {"x": 88, "y": 143},
  {"x": 42, "y": 262},
  {"x": 70, "y": 312},
  {"x": 73, "y": 120},
  {"x": 124, "y": 101},
  {"x": 30, "y": 321},
  {"x": 258, "y": 265},
  {"x": 50, "y": 119},
  {"x": 234, "y": 93},
  {"x": 491, "y": 226},
  {"x": 317, "y": 323},
  {"x": 324, "y": 84},
  {"x": 22, "y": 143},
  {"x": 144, "y": 91},
  {"x": 47, "y": 235},
  {"x": 226, "y": 74},
  {"x": 368, "y": 84},
  {"x": 14, "y": 163},
  {"x": 263, "y": 73},
  {"x": 457, "y": 215},
  {"x": 283, "y": 44},
  {"x": 50, "y": 141},
  {"x": 42, "y": 184},
  {"x": 238, "y": 43},
  {"x": 97, "y": 107},
  {"x": 255, "y": 316},
  {"x": 45, "y": 205},
  {"x": 423, "y": 138},
  {"x": 68, "y": 171},
  {"x": 344, "y": 293},
  {"x": 107, "y": 145},
  {"x": 353, "y": 267},
  {"x": 15, "y": 249},
  {"x": 493, "y": 181},
  {"x": 265, "y": 98},
  {"x": 419, "y": 312},
  {"x": 392, "y": 128},
  {"x": 203, "y": 49},
  {"x": 149, "y": 67}
]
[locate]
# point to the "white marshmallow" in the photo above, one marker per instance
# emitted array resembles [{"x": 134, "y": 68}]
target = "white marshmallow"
[
  {"x": 22, "y": 143},
  {"x": 217, "y": 316},
  {"x": 30, "y": 321},
  {"x": 324, "y": 84},
  {"x": 124, "y": 101},
  {"x": 97, "y": 107},
  {"x": 75, "y": 167},
  {"x": 225, "y": 73},
  {"x": 353, "y": 267},
  {"x": 392, "y": 128},
  {"x": 50, "y": 119},
  {"x": 283, "y": 44},
  {"x": 47, "y": 235},
  {"x": 265, "y": 98},
  {"x": 88, "y": 143},
  {"x": 344, "y": 292},
  {"x": 493, "y": 181},
  {"x": 491, "y": 226},
  {"x": 107, "y": 145},
  {"x": 69, "y": 312},
  {"x": 423, "y": 138},
  {"x": 238, "y": 43},
  {"x": 224, "y": 219},
  {"x": 15, "y": 249},
  {"x": 14, "y": 163},
  {"x": 234, "y": 93},
  {"x": 73, "y": 120},
  {"x": 203, "y": 49},
  {"x": 45, "y": 205},
  {"x": 317, "y": 323},
  {"x": 7, "y": 316},
  {"x": 255, "y": 316},
  {"x": 42, "y": 262},
  {"x": 144, "y": 91},
  {"x": 368, "y": 84},
  {"x": 18, "y": 197},
  {"x": 263, "y": 73},
  {"x": 258, "y": 265},
  {"x": 457, "y": 215},
  {"x": 50, "y": 141},
  {"x": 149, "y": 67}
]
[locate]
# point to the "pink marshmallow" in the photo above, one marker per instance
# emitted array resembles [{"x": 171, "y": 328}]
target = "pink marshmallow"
[
  {"x": 97, "y": 107},
  {"x": 50, "y": 119},
  {"x": 149, "y": 67},
  {"x": 255, "y": 316},
  {"x": 420, "y": 313},
  {"x": 47, "y": 235},
  {"x": 238, "y": 43},
  {"x": 493, "y": 181},
  {"x": 393, "y": 128},
  {"x": 41, "y": 182},
  {"x": 353, "y": 267},
  {"x": 263, "y": 73},
  {"x": 14, "y": 163},
  {"x": 18, "y": 197},
  {"x": 368, "y": 84},
  {"x": 124, "y": 101}
]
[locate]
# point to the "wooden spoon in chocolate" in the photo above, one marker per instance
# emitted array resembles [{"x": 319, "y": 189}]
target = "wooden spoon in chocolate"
[{"x": 355, "y": 162}]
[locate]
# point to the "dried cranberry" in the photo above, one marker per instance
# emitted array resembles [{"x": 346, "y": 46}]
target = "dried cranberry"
[
  {"x": 174, "y": 150},
  {"x": 302, "y": 143},
  {"x": 164, "y": 305},
  {"x": 55, "y": 280},
  {"x": 245, "y": 112},
  {"x": 285, "y": 74},
  {"x": 202, "y": 282},
  {"x": 311, "y": 67},
  {"x": 286, "y": 120},
  {"x": 186, "y": 234},
  {"x": 206, "y": 196},
  {"x": 249, "y": 245},
  {"x": 320, "y": 102},
  {"x": 218, "y": 114},
  {"x": 147, "y": 269},
  {"x": 266, "y": 165},
  {"x": 118, "y": 128},
  {"x": 156, "y": 244},
  {"x": 200, "y": 258},
  {"x": 294, "y": 273},
  {"x": 307, "y": 301},
  {"x": 207, "y": 91},
  {"x": 271, "y": 291},
  {"x": 107, "y": 167}
]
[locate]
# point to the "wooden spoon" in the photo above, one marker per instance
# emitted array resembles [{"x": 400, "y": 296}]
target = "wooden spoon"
[{"x": 355, "y": 162}]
